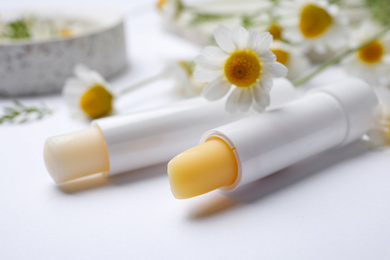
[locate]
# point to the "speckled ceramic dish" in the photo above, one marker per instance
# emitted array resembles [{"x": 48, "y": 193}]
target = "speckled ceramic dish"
[{"x": 42, "y": 66}]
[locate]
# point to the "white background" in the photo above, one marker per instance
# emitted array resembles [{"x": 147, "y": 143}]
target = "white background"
[{"x": 333, "y": 206}]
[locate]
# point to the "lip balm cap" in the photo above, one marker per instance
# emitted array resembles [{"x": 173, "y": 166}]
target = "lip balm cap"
[{"x": 358, "y": 101}]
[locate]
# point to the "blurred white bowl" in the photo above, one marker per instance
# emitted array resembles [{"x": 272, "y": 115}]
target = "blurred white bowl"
[{"x": 42, "y": 66}]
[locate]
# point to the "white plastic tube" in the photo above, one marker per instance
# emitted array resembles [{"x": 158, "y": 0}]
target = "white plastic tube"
[
  {"x": 152, "y": 137},
  {"x": 329, "y": 117},
  {"x": 133, "y": 141},
  {"x": 155, "y": 136}
]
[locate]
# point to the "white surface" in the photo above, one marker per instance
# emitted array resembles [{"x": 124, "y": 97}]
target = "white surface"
[{"x": 333, "y": 206}]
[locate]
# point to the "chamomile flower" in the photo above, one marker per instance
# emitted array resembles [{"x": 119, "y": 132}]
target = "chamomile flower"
[
  {"x": 379, "y": 135},
  {"x": 371, "y": 62},
  {"x": 181, "y": 71},
  {"x": 292, "y": 57},
  {"x": 314, "y": 23},
  {"x": 170, "y": 9},
  {"x": 242, "y": 60},
  {"x": 88, "y": 94},
  {"x": 267, "y": 23}
]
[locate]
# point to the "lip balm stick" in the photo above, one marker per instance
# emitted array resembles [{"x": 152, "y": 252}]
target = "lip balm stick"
[
  {"x": 241, "y": 152},
  {"x": 124, "y": 143}
]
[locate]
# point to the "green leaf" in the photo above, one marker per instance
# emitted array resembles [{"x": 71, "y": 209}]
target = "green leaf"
[
  {"x": 22, "y": 114},
  {"x": 17, "y": 103},
  {"x": 17, "y": 30},
  {"x": 208, "y": 17},
  {"x": 380, "y": 10}
]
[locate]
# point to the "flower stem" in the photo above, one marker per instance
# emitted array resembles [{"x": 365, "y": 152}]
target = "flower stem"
[
  {"x": 338, "y": 58},
  {"x": 202, "y": 17},
  {"x": 323, "y": 66},
  {"x": 139, "y": 84}
]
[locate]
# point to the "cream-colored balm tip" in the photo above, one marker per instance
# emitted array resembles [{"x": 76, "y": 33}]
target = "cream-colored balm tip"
[
  {"x": 71, "y": 156},
  {"x": 201, "y": 169}
]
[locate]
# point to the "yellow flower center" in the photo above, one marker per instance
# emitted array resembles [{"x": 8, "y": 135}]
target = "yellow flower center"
[
  {"x": 188, "y": 67},
  {"x": 242, "y": 68},
  {"x": 160, "y": 4},
  {"x": 66, "y": 32},
  {"x": 388, "y": 132},
  {"x": 371, "y": 53},
  {"x": 275, "y": 31},
  {"x": 281, "y": 56},
  {"x": 96, "y": 101},
  {"x": 314, "y": 21}
]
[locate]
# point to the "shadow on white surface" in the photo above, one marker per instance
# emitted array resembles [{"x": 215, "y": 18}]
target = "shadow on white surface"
[
  {"x": 221, "y": 202},
  {"x": 99, "y": 180}
]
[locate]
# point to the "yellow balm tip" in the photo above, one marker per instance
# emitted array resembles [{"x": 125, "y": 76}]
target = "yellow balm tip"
[
  {"x": 76, "y": 155},
  {"x": 201, "y": 169}
]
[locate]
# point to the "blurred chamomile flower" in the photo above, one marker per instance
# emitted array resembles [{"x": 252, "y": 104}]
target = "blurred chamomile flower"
[
  {"x": 170, "y": 9},
  {"x": 181, "y": 71},
  {"x": 242, "y": 60},
  {"x": 379, "y": 135},
  {"x": 292, "y": 57},
  {"x": 88, "y": 94},
  {"x": 267, "y": 23},
  {"x": 314, "y": 23},
  {"x": 275, "y": 30},
  {"x": 371, "y": 62}
]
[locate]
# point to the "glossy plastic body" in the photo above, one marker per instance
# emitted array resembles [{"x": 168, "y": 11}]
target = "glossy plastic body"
[{"x": 328, "y": 117}]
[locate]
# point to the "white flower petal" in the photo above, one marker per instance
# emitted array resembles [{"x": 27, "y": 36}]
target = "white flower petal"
[
  {"x": 253, "y": 39},
  {"x": 211, "y": 58},
  {"x": 183, "y": 84},
  {"x": 266, "y": 82},
  {"x": 257, "y": 91},
  {"x": 261, "y": 98},
  {"x": 90, "y": 77},
  {"x": 214, "y": 52},
  {"x": 260, "y": 107},
  {"x": 264, "y": 41},
  {"x": 267, "y": 56},
  {"x": 80, "y": 69},
  {"x": 97, "y": 78},
  {"x": 384, "y": 95},
  {"x": 216, "y": 89},
  {"x": 297, "y": 64},
  {"x": 245, "y": 99},
  {"x": 207, "y": 63},
  {"x": 203, "y": 75},
  {"x": 386, "y": 58},
  {"x": 276, "y": 69},
  {"x": 376, "y": 138},
  {"x": 233, "y": 102},
  {"x": 240, "y": 37},
  {"x": 223, "y": 37}
]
